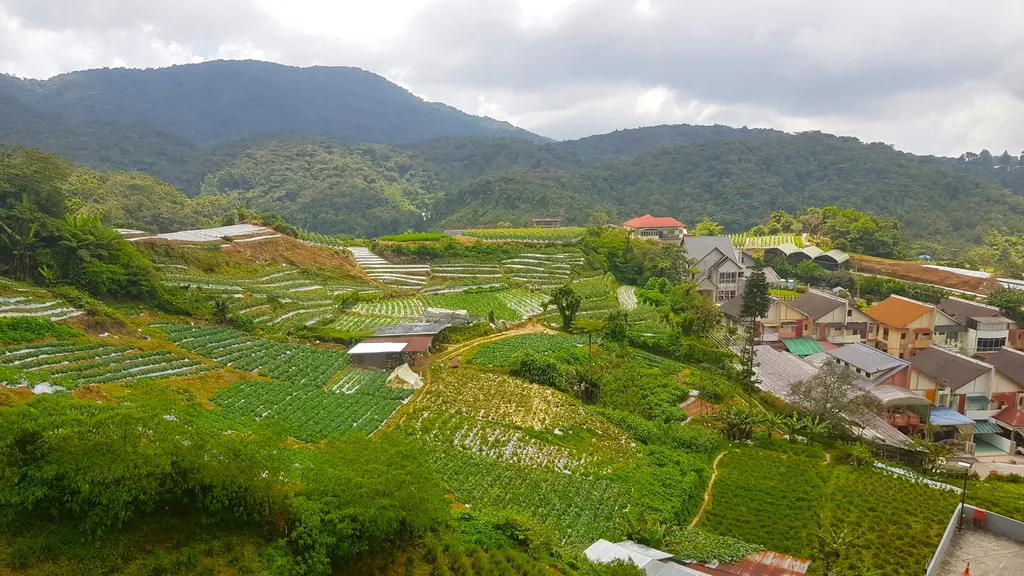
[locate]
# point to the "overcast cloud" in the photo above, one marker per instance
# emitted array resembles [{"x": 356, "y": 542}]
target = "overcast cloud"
[{"x": 930, "y": 76}]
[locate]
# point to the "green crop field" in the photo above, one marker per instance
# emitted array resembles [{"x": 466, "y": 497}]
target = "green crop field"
[
  {"x": 504, "y": 351},
  {"x": 784, "y": 500},
  {"x": 540, "y": 235},
  {"x": 73, "y": 364}
]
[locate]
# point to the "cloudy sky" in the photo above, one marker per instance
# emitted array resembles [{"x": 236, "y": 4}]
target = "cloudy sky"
[{"x": 930, "y": 76}]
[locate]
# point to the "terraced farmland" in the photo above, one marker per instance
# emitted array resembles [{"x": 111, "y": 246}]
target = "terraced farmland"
[
  {"x": 398, "y": 275},
  {"x": 298, "y": 364},
  {"x": 538, "y": 235},
  {"x": 512, "y": 305},
  {"x": 308, "y": 412},
  {"x": 399, "y": 307},
  {"x": 504, "y": 351},
  {"x": 73, "y": 364},
  {"x": 34, "y": 303}
]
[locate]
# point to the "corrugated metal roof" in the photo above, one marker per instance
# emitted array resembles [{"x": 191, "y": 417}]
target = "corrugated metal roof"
[
  {"x": 896, "y": 396},
  {"x": 410, "y": 329},
  {"x": 763, "y": 563},
  {"x": 837, "y": 256},
  {"x": 984, "y": 427},
  {"x": 778, "y": 371},
  {"x": 816, "y": 304},
  {"x": 868, "y": 359},
  {"x": 786, "y": 248},
  {"x": 803, "y": 346},
  {"x": 947, "y": 417},
  {"x": 377, "y": 347},
  {"x": 412, "y": 343}
]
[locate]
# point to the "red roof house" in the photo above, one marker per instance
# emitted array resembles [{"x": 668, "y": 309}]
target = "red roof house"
[
  {"x": 659, "y": 228},
  {"x": 1011, "y": 417}
]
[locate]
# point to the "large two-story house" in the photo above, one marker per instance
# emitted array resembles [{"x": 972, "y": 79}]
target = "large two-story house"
[
  {"x": 832, "y": 318},
  {"x": 903, "y": 327},
  {"x": 720, "y": 269},
  {"x": 782, "y": 320},
  {"x": 660, "y": 228},
  {"x": 979, "y": 328}
]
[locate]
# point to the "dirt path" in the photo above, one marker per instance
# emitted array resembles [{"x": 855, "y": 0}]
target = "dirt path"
[
  {"x": 531, "y": 328},
  {"x": 707, "y": 493}
]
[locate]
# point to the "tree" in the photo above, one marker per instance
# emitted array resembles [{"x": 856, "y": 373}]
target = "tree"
[
  {"x": 810, "y": 272},
  {"x": 985, "y": 158},
  {"x": 690, "y": 312},
  {"x": 756, "y": 297},
  {"x": 1009, "y": 301},
  {"x": 832, "y": 396},
  {"x": 707, "y": 227},
  {"x": 589, "y": 327},
  {"x": 221, "y": 311},
  {"x": 1005, "y": 160},
  {"x": 756, "y": 303},
  {"x": 784, "y": 220},
  {"x": 568, "y": 302},
  {"x": 616, "y": 326}
]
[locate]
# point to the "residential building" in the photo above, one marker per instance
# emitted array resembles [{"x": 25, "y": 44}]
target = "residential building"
[
  {"x": 978, "y": 328},
  {"x": 950, "y": 379},
  {"x": 873, "y": 365},
  {"x": 660, "y": 228},
  {"x": 903, "y": 327},
  {"x": 548, "y": 222},
  {"x": 720, "y": 267},
  {"x": 832, "y": 318},
  {"x": 1008, "y": 385},
  {"x": 782, "y": 321}
]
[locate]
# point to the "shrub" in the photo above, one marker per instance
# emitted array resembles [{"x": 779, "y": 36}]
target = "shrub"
[
  {"x": 414, "y": 237},
  {"x": 853, "y": 454},
  {"x": 26, "y": 328},
  {"x": 539, "y": 369}
]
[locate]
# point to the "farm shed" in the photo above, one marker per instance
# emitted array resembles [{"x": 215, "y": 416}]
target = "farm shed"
[
  {"x": 781, "y": 251},
  {"x": 391, "y": 351},
  {"x": 834, "y": 260},
  {"x": 805, "y": 253}
]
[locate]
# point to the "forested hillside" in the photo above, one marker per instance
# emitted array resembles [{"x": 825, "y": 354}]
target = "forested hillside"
[{"x": 364, "y": 190}]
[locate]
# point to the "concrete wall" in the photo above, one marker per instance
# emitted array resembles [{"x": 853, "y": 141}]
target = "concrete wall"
[
  {"x": 944, "y": 544},
  {"x": 995, "y": 523}
]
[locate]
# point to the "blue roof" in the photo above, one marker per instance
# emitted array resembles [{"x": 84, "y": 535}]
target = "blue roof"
[{"x": 947, "y": 417}]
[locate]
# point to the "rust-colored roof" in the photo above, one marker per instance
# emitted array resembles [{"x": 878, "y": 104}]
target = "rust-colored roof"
[
  {"x": 764, "y": 563},
  {"x": 898, "y": 311},
  {"x": 648, "y": 221},
  {"x": 413, "y": 343},
  {"x": 1010, "y": 416}
]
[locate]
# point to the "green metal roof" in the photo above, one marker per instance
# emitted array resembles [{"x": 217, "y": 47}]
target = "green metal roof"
[
  {"x": 803, "y": 346},
  {"x": 977, "y": 400},
  {"x": 986, "y": 428}
]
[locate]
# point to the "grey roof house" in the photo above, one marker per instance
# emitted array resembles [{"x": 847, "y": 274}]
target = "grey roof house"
[{"x": 720, "y": 266}]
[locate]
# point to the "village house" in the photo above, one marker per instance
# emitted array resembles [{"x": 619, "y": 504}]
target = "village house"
[
  {"x": 903, "y": 327},
  {"x": 782, "y": 321},
  {"x": 721, "y": 268},
  {"x": 1008, "y": 385},
  {"x": 548, "y": 222},
  {"x": 660, "y": 228},
  {"x": 873, "y": 365},
  {"x": 393, "y": 346},
  {"x": 832, "y": 318},
  {"x": 979, "y": 328}
]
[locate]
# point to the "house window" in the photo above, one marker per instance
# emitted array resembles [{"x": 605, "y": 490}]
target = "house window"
[
  {"x": 990, "y": 344},
  {"x": 739, "y": 274},
  {"x": 943, "y": 399},
  {"x": 885, "y": 334},
  {"x": 903, "y": 335},
  {"x": 727, "y": 277},
  {"x": 849, "y": 313},
  {"x": 726, "y": 295}
]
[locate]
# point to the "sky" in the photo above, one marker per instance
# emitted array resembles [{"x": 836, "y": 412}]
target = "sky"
[{"x": 929, "y": 76}]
